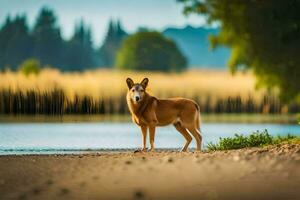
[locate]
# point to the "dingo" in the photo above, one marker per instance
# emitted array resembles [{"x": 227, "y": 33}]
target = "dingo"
[{"x": 148, "y": 112}]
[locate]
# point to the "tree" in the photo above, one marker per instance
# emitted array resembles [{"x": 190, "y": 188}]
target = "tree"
[
  {"x": 264, "y": 36},
  {"x": 80, "y": 53},
  {"x": 150, "y": 51},
  {"x": 112, "y": 43},
  {"x": 15, "y": 42},
  {"x": 48, "y": 44},
  {"x": 30, "y": 66}
]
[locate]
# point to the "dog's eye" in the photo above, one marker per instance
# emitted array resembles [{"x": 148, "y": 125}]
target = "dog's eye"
[
  {"x": 132, "y": 90},
  {"x": 142, "y": 90}
]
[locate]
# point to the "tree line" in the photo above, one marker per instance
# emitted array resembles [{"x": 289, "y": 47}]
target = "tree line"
[{"x": 44, "y": 42}]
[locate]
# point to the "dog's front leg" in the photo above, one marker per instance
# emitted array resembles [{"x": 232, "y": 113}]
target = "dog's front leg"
[
  {"x": 152, "y": 135},
  {"x": 144, "y": 137}
]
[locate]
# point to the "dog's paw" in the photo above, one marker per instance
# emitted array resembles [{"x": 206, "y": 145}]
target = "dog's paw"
[
  {"x": 140, "y": 150},
  {"x": 137, "y": 151},
  {"x": 198, "y": 151}
]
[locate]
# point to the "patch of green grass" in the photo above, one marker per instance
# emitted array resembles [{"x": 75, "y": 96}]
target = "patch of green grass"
[{"x": 256, "y": 139}]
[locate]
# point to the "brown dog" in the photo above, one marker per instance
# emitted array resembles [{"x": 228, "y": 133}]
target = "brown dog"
[{"x": 148, "y": 112}]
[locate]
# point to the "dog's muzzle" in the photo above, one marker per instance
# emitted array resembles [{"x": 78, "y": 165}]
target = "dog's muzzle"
[{"x": 137, "y": 99}]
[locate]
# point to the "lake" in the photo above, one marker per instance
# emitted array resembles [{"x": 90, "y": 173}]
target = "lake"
[{"x": 61, "y": 138}]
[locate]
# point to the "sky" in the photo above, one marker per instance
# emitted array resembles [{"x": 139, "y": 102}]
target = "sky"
[{"x": 153, "y": 14}]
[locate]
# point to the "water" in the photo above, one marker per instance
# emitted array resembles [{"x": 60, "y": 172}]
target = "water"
[{"x": 48, "y": 138}]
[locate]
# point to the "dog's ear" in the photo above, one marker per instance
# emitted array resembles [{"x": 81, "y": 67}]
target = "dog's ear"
[
  {"x": 144, "y": 82},
  {"x": 129, "y": 82}
]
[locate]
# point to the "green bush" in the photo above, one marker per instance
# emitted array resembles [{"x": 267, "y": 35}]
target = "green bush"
[
  {"x": 30, "y": 66},
  {"x": 256, "y": 139},
  {"x": 150, "y": 51}
]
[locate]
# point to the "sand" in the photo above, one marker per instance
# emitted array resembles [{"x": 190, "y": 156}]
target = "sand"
[{"x": 256, "y": 173}]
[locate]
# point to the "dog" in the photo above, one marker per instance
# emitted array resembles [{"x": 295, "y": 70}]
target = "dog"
[{"x": 148, "y": 112}]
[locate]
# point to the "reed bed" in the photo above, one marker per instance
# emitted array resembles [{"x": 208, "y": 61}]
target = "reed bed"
[{"x": 103, "y": 91}]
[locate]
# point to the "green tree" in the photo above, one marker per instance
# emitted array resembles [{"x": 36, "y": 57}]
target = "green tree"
[
  {"x": 30, "y": 66},
  {"x": 15, "y": 42},
  {"x": 48, "y": 44},
  {"x": 150, "y": 51},
  {"x": 112, "y": 43},
  {"x": 80, "y": 53},
  {"x": 263, "y": 35}
]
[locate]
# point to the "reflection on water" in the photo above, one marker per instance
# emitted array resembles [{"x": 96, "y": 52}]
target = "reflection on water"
[{"x": 22, "y": 138}]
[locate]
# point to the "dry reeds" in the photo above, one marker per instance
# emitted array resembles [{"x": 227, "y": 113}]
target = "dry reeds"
[{"x": 103, "y": 91}]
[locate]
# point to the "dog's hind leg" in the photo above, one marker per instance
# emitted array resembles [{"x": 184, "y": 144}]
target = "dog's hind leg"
[
  {"x": 196, "y": 133},
  {"x": 185, "y": 134}
]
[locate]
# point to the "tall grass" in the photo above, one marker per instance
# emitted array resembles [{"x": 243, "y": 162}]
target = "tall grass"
[
  {"x": 103, "y": 91},
  {"x": 110, "y": 83}
]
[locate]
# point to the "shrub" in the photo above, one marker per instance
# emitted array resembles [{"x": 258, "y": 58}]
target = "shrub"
[{"x": 30, "y": 66}]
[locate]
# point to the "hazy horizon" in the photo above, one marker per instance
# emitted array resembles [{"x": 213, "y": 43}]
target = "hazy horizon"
[{"x": 154, "y": 14}]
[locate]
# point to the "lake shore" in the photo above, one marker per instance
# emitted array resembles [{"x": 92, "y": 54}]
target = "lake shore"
[
  {"x": 254, "y": 173},
  {"x": 205, "y": 118}
]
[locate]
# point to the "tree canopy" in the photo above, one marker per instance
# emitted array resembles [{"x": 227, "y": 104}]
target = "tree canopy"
[
  {"x": 150, "y": 51},
  {"x": 263, "y": 36}
]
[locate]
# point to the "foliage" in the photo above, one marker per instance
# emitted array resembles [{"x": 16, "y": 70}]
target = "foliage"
[
  {"x": 30, "y": 66},
  {"x": 112, "y": 43},
  {"x": 263, "y": 35},
  {"x": 150, "y": 51},
  {"x": 256, "y": 139}
]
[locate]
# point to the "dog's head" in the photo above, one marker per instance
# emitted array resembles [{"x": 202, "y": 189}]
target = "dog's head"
[{"x": 136, "y": 91}]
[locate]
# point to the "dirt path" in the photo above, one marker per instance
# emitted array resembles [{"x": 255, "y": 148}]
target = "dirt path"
[{"x": 268, "y": 173}]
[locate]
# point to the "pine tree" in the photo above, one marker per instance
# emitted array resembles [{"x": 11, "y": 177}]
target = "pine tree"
[
  {"x": 48, "y": 44},
  {"x": 15, "y": 42},
  {"x": 112, "y": 43},
  {"x": 80, "y": 53}
]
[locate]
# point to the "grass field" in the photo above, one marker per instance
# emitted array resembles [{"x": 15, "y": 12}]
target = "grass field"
[
  {"x": 103, "y": 91},
  {"x": 112, "y": 83}
]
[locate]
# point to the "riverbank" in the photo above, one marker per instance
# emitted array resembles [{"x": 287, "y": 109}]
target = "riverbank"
[
  {"x": 254, "y": 173},
  {"x": 205, "y": 118}
]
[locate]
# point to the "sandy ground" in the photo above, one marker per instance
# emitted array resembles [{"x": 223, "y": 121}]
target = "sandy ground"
[{"x": 268, "y": 173}]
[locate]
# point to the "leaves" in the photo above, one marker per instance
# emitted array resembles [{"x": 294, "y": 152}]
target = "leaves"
[{"x": 264, "y": 36}]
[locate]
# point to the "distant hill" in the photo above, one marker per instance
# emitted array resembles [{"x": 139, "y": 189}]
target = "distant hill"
[{"x": 195, "y": 45}]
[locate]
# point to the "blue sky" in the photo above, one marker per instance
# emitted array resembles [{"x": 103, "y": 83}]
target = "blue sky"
[{"x": 154, "y": 14}]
